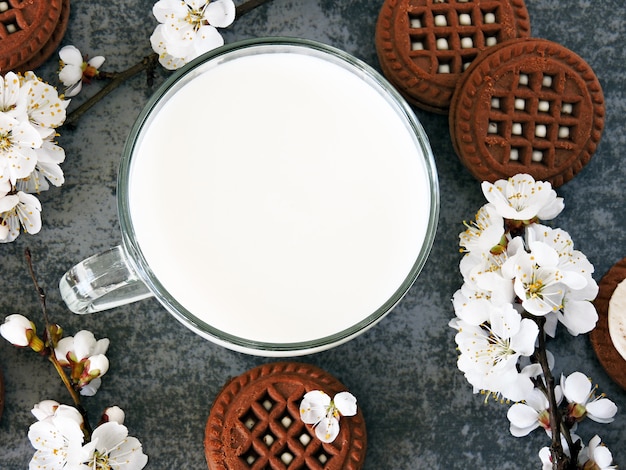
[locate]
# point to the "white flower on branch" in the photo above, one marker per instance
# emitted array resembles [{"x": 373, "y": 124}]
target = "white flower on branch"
[
  {"x": 75, "y": 69},
  {"x": 522, "y": 198},
  {"x": 112, "y": 447},
  {"x": 30, "y": 111},
  {"x": 578, "y": 390},
  {"x": 598, "y": 456},
  {"x": 188, "y": 29}
]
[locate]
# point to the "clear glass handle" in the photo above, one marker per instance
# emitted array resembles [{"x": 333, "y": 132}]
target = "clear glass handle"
[{"x": 101, "y": 282}]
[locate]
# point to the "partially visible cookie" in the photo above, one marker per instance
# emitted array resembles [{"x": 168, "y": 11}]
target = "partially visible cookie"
[
  {"x": 603, "y": 345},
  {"x": 424, "y": 46},
  {"x": 255, "y": 423},
  {"x": 25, "y": 28},
  {"x": 51, "y": 45},
  {"x": 527, "y": 106}
]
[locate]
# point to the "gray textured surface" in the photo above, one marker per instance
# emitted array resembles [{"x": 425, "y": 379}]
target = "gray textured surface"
[{"x": 419, "y": 410}]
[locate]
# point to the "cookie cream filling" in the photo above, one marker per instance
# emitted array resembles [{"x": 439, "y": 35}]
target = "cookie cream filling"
[{"x": 617, "y": 318}]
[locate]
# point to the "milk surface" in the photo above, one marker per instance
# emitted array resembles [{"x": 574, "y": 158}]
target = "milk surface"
[{"x": 279, "y": 198}]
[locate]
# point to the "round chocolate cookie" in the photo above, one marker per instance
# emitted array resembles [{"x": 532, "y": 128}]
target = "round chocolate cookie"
[
  {"x": 527, "y": 106},
  {"x": 424, "y": 46},
  {"x": 26, "y": 27},
  {"x": 255, "y": 423},
  {"x": 609, "y": 357},
  {"x": 51, "y": 45}
]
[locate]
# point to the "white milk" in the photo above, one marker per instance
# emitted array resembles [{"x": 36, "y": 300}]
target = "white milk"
[{"x": 279, "y": 198}]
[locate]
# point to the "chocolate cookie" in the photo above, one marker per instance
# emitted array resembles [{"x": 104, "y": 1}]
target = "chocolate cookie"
[
  {"x": 26, "y": 27},
  {"x": 424, "y": 46},
  {"x": 527, "y": 106},
  {"x": 255, "y": 423},
  {"x": 51, "y": 45},
  {"x": 609, "y": 357}
]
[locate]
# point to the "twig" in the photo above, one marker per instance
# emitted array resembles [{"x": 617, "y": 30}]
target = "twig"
[
  {"x": 50, "y": 345},
  {"x": 147, "y": 64},
  {"x": 560, "y": 461},
  {"x": 248, "y": 6}
]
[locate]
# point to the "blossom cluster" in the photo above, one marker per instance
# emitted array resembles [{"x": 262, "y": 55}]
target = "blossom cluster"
[
  {"x": 30, "y": 112},
  {"x": 61, "y": 436},
  {"x": 59, "y": 440},
  {"x": 521, "y": 279}
]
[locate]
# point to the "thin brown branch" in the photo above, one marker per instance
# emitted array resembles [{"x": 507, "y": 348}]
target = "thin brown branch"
[
  {"x": 248, "y": 6},
  {"x": 560, "y": 460},
  {"x": 146, "y": 64},
  {"x": 50, "y": 345}
]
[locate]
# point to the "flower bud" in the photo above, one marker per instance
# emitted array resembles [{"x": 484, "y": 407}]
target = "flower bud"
[
  {"x": 95, "y": 367},
  {"x": 21, "y": 332},
  {"x": 113, "y": 413}
]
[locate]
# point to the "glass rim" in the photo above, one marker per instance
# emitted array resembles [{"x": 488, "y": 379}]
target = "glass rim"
[{"x": 273, "y": 45}]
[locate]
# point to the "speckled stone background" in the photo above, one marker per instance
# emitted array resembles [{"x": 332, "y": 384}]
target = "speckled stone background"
[{"x": 420, "y": 411}]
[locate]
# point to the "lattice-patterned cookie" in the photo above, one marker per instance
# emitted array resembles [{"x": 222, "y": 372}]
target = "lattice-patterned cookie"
[
  {"x": 30, "y": 31},
  {"x": 527, "y": 106},
  {"x": 424, "y": 46},
  {"x": 255, "y": 423}
]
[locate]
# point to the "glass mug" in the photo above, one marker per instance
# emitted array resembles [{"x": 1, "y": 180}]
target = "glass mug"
[{"x": 277, "y": 196}]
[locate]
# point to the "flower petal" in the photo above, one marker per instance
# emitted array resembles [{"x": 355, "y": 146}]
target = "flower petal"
[
  {"x": 220, "y": 13},
  {"x": 522, "y": 418},
  {"x": 313, "y": 406},
  {"x": 96, "y": 62},
  {"x": 345, "y": 403},
  {"x": 70, "y": 55},
  {"x": 601, "y": 411},
  {"x": 576, "y": 387},
  {"x": 327, "y": 429}
]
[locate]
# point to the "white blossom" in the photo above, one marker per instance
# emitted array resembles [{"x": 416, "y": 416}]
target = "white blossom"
[
  {"x": 484, "y": 233},
  {"x": 30, "y": 111},
  {"x": 20, "y": 210},
  {"x": 112, "y": 448},
  {"x": 47, "y": 169},
  {"x": 489, "y": 353},
  {"x": 577, "y": 312},
  {"x": 532, "y": 412},
  {"x": 46, "y": 110},
  {"x": 85, "y": 356},
  {"x": 58, "y": 440},
  {"x": 323, "y": 413},
  {"x": 539, "y": 282},
  {"x": 522, "y": 198},
  {"x": 18, "y": 141},
  {"x": 597, "y": 457},
  {"x": 75, "y": 70},
  {"x": 188, "y": 29},
  {"x": 79, "y": 347},
  {"x": 583, "y": 402}
]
